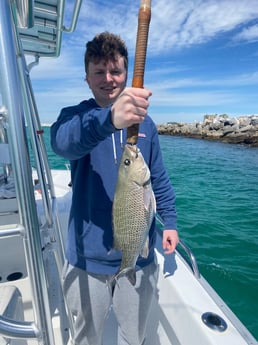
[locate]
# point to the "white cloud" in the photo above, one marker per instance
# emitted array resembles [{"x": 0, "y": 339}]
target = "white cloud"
[
  {"x": 174, "y": 25},
  {"x": 171, "y": 83},
  {"x": 97, "y": 16},
  {"x": 51, "y": 101},
  {"x": 58, "y": 68},
  {"x": 249, "y": 34},
  {"x": 180, "y": 24},
  {"x": 192, "y": 99}
]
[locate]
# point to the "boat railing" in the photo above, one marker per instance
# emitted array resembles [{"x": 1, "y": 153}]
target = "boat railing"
[
  {"x": 19, "y": 111},
  {"x": 4, "y": 151},
  {"x": 190, "y": 258}
]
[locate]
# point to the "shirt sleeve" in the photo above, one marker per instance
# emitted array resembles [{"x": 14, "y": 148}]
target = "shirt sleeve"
[{"x": 80, "y": 128}]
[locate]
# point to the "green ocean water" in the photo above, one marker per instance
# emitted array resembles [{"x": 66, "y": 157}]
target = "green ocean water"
[{"x": 217, "y": 203}]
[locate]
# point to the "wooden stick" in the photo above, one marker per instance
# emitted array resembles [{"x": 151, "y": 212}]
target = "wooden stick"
[{"x": 144, "y": 17}]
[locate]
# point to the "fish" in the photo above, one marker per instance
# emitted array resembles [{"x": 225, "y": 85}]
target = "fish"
[{"x": 134, "y": 208}]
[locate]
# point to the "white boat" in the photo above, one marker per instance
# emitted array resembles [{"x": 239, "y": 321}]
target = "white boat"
[{"x": 34, "y": 206}]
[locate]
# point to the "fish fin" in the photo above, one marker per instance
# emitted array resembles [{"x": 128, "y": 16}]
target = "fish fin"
[
  {"x": 154, "y": 203},
  {"x": 112, "y": 282},
  {"x": 149, "y": 200},
  {"x": 112, "y": 251},
  {"x": 131, "y": 276},
  {"x": 128, "y": 272},
  {"x": 145, "y": 250}
]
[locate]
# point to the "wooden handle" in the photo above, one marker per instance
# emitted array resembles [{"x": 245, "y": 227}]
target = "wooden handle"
[
  {"x": 144, "y": 17},
  {"x": 141, "y": 43}
]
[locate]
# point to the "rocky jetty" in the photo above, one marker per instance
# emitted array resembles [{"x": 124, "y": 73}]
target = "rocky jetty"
[{"x": 236, "y": 130}]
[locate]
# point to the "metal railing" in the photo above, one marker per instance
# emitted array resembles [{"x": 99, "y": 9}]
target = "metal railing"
[
  {"x": 4, "y": 153},
  {"x": 192, "y": 263},
  {"x": 20, "y": 108}
]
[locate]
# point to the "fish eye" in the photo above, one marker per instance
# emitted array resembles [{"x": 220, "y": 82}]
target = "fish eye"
[{"x": 127, "y": 162}]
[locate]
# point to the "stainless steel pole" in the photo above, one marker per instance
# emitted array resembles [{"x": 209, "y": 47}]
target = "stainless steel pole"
[{"x": 12, "y": 100}]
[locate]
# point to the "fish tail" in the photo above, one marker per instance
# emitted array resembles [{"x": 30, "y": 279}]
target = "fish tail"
[{"x": 130, "y": 274}]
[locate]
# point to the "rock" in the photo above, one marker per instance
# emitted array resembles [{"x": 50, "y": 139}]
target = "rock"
[
  {"x": 247, "y": 128},
  {"x": 241, "y": 130},
  {"x": 244, "y": 121},
  {"x": 254, "y": 121}
]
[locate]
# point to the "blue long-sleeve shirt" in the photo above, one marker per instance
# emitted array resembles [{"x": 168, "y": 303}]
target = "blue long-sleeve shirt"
[{"x": 83, "y": 134}]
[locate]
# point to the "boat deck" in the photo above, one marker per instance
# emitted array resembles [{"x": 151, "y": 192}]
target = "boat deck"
[{"x": 164, "y": 327}]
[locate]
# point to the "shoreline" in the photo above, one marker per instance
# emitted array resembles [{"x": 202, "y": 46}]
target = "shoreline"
[{"x": 233, "y": 130}]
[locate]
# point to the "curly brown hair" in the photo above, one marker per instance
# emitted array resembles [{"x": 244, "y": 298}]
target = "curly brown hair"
[{"x": 105, "y": 46}]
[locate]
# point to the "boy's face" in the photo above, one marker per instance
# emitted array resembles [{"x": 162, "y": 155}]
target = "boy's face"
[{"x": 107, "y": 80}]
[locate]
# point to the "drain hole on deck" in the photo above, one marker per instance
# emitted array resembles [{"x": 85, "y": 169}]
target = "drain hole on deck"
[
  {"x": 214, "y": 322},
  {"x": 14, "y": 276}
]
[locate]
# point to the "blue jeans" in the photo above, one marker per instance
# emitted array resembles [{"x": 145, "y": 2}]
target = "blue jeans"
[{"x": 90, "y": 297}]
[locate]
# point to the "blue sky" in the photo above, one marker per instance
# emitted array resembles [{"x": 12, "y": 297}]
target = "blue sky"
[{"x": 202, "y": 57}]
